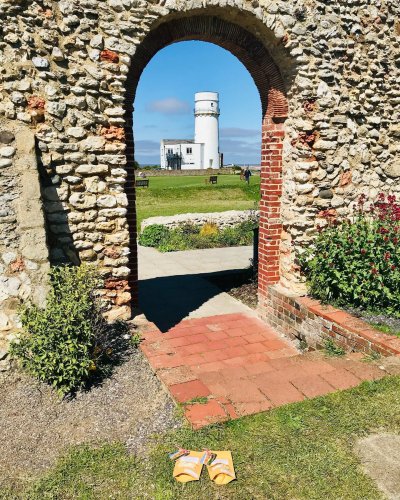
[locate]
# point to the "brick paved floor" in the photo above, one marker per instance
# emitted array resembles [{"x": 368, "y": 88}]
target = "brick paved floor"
[{"x": 227, "y": 366}]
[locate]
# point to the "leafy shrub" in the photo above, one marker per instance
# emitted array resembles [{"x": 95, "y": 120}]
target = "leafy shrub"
[
  {"x": 209, "y": 229},
  {"x": 357, "y": 262},
  {"x": 69, "y": 342},
  {"x": 154, "y": 235}
]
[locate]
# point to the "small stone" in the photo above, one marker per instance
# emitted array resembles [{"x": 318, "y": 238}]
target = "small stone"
[
  {"x": 77, "y": 132},
  {"x": 106, "y": 201},
  {"x": 94, "y": 143},
  {"x": 87, "y": 255},
  {"x": 40, "y": 62},
  {"x": 114, "y": 112},
  {"x": 57, "y": 54},
  {"x": 326, "y": 194},
  {"x": 56, "y": 108},
  {"x": 92, "y": 169},
  {"x": 7, "y": 152},
  {"x": 121, "y": 272},
  {"x": 6, "y": 137},
  {"x": 304, "y": 188},
  {"x": 97, "y": 42},
  {"x": 5, "y": 163},
  {"x": 18, "y": 98},
  {"x": 24, "y": 117},
  {"x": 9, "y": 257},
  {"x": 393, "y": 169},
  {"x": 12, "y": 286},
  {"x": 82, "y": 200},
  {"x": 322, "y": 145},
  {"x": 301, "y": 177},
  {"x": 116, "y": 5}
]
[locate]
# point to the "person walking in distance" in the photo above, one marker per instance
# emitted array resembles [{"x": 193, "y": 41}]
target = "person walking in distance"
[{"x": 247, "y": 175}]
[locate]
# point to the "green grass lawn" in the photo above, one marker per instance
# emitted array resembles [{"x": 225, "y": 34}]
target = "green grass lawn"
[
  {"x": 178, "y": 195},
  {"x": 300, "y": 451}
]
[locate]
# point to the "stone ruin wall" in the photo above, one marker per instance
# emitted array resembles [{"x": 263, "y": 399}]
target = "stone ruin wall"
[
  {"x": 64, "y": 73},
  {"x": 24, "y": 259}
]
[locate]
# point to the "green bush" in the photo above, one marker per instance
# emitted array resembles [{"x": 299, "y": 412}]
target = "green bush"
[
  {"x": 357, "y": 262},
  {"x": 154, "y": 235},
  {"x": 68, "y": 343},
  {"x": 187, "y": 236}
]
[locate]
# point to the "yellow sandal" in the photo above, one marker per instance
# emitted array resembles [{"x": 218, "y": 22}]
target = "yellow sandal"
[
  {"x": 188, "y": 467},
  {"x": 221, "y": 469}
]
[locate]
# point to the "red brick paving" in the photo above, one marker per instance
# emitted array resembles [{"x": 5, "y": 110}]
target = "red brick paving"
[{"x": 240, "y": 366}]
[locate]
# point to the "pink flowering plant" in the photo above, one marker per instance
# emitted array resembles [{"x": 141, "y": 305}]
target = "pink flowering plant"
[{"x": 356, "y": 262}]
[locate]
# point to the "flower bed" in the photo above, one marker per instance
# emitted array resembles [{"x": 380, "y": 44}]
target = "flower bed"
[
  {"x": 189, "y": 236},
  {"x": 355, "y": 263}
]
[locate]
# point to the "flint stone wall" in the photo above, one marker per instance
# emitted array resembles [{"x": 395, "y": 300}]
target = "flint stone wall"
[
  {"x": 221, "y": 219},
  {"x": 69, "y": 71},
  {"x": 24, "y": 259}
]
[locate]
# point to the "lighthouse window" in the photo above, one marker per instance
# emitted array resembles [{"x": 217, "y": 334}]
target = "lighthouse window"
[
  {"x": 189, "y": 151},
  {"x": 212, "y": 104}
]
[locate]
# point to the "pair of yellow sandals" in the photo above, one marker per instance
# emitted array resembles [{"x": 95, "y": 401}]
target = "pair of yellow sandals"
[{"x": 219, "y": 466}]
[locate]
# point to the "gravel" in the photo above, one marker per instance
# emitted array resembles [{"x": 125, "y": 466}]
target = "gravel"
[
  {"x": 36, "y": 426},
  {"x": 377, "y": 319}
]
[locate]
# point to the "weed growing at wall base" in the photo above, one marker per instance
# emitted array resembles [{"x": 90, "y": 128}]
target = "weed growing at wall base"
[{"x": 68, "y": 343}]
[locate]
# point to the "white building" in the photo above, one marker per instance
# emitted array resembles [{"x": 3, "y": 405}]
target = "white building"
[{"x": 203, "y": 151}]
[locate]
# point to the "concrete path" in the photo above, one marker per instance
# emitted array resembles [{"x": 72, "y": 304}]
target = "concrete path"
[
  {"x": 173, "y": 286},
  {"x": 380, "y": 456}
]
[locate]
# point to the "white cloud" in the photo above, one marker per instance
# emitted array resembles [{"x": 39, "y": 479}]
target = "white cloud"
[{"x": 169, "y": 106}]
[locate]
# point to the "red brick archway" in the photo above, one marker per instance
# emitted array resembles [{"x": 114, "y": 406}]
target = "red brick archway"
[{"x": 267, "y": 77}]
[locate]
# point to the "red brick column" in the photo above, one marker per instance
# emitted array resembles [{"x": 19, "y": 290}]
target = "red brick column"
[
  {"x": 270, "y": 204},
  {"x": 131, "y": 194}
]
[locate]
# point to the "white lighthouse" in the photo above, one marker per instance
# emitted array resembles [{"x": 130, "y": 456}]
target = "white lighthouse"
[
  {"x": 203, "y": 151},
  {"x": 206, "y": 129}
]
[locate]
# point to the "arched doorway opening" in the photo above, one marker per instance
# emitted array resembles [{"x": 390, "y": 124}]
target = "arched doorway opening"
[{"x": 253, "y": 51}]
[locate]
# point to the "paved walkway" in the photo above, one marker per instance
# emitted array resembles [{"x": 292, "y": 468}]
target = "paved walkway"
[
  {"x": 211, "y": 351},
  {"x": 174, "y": 286},
  {"x": 233, "y": 365}
]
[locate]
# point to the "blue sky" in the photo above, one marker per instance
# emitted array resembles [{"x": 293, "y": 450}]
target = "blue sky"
[{"x": 165, "y": 100}]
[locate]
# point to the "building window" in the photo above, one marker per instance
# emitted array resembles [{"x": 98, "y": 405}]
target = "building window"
[
  {"x": 169, "y": 151},
  {"x": 188, "y": 151}
]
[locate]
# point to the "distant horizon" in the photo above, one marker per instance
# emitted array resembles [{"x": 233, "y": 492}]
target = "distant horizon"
[
  {"x": 227, "y": 165},
  {"x": 164, "y": 102}
]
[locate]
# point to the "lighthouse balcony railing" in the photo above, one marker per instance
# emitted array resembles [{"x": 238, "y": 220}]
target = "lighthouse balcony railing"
[{"x": 208, "y": 111}]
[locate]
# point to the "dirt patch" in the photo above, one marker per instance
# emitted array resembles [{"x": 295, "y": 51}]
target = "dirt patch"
[
  {"x": 36, "y": 427},
  {"x": 242, "y": 286}
]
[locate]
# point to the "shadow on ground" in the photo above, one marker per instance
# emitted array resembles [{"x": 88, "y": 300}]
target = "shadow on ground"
[{"x": 167, "y": 300}]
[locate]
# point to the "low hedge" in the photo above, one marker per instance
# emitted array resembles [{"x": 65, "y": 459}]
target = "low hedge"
[{"x": 190, "y": 236}]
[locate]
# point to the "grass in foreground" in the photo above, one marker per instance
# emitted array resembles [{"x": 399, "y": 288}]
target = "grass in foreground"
[
  {"x": 178, "y": 195},
  {"x": 301, "y": 451}
]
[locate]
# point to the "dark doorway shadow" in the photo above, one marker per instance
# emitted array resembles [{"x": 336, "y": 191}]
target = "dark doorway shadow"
[{"x": 167, "y": 300}]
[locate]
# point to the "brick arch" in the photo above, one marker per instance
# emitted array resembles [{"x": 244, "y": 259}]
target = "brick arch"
[{"x": 266, "y": 75}]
